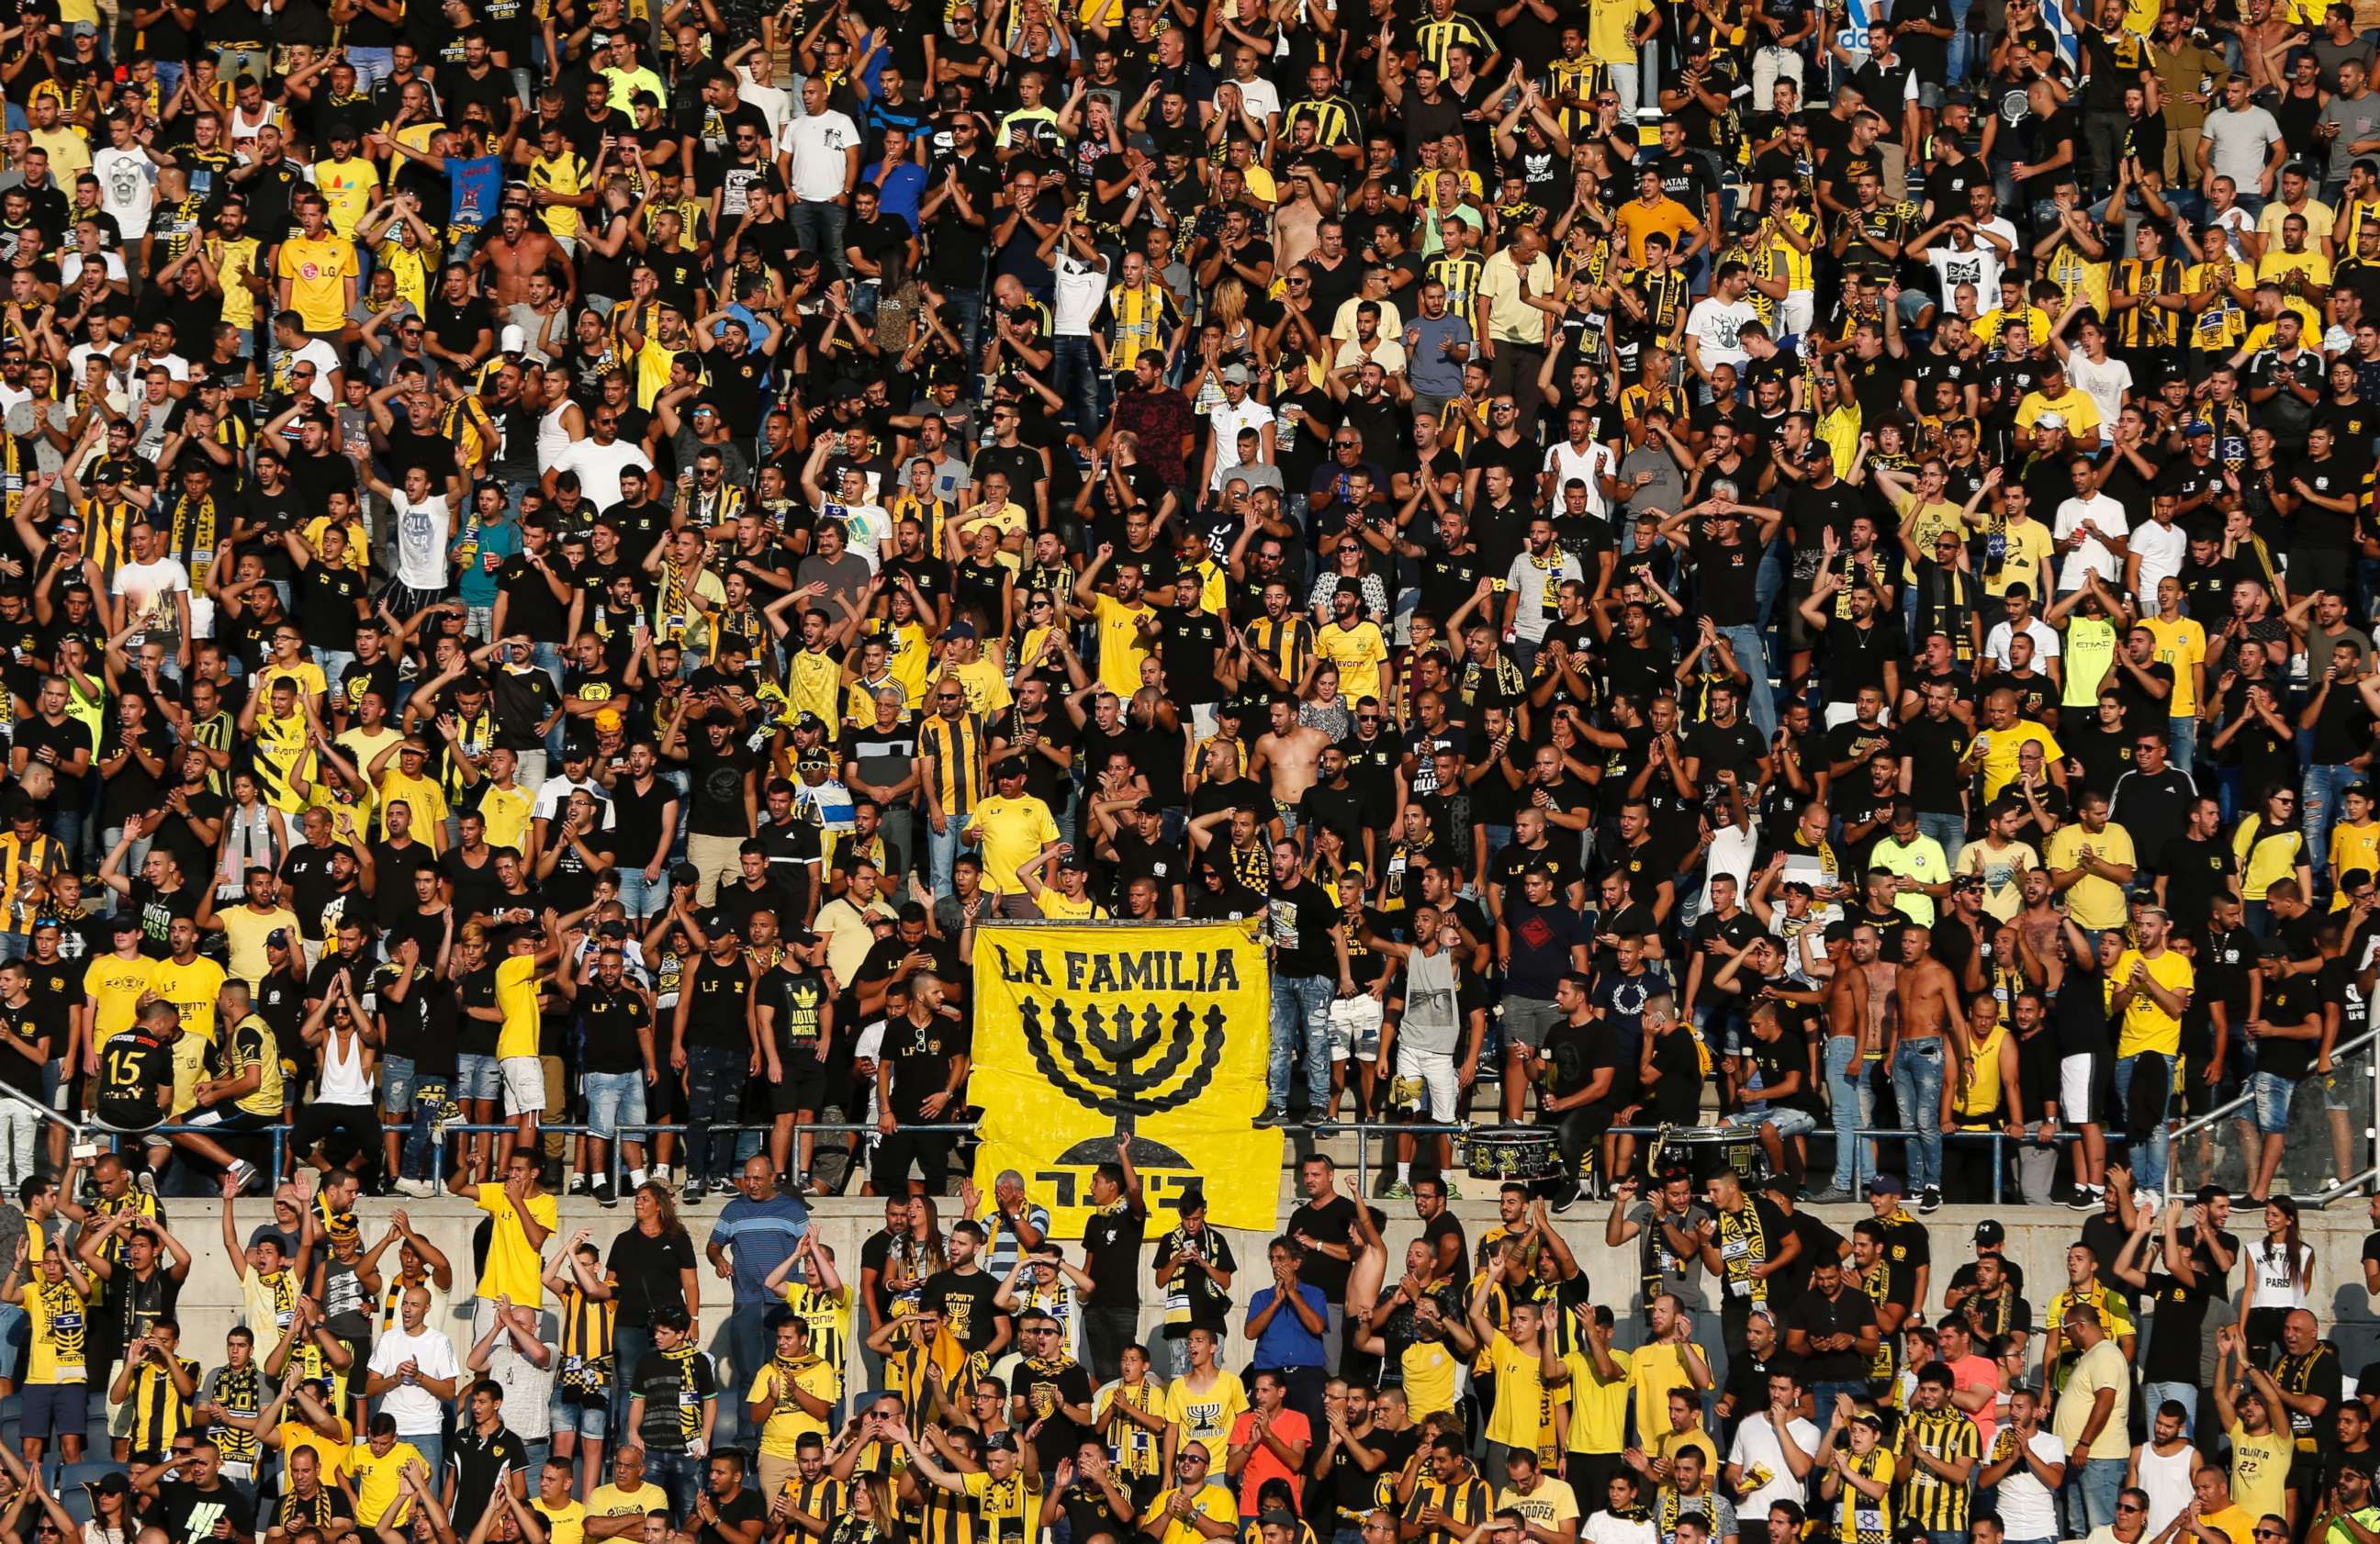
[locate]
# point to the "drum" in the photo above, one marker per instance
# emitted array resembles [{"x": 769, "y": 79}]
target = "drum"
[
  {"x": 1508, "y": 1152},
  {"x": 1704, "y": 1150}
]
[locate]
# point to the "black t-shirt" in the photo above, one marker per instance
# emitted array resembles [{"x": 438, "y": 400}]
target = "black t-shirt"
[
  {"x": 673, "y": 1386},
  {"x": 188, "y": 1514},
  {"x": 648, "y": 1269},
  {"x": 134, "y": 1068},
  {"x": 965, "y": 1303},
  {"x": 744, "y": 1507},
  {"x": 1331, "y": 1223},
  {"x": 1302, "y": 916},
  {"x": 1112, "y": 1243}
]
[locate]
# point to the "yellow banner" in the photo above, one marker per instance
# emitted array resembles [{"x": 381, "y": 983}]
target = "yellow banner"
[{"x": 1156, "y": 1033}]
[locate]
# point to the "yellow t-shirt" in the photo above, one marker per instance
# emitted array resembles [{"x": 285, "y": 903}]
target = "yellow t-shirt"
[
  {"x": 1430, "y": 1372},
  {"x": 1598, "y": 1411},
  {"x": 609, "y": 1500},
  {"x": 1206, "y": 1417},
  {"x": 514, "y": 1265},
  {"x": 1214, "y": 1504},
  {"x": 1122, "y": 646},
  {"x": 1940, "y": 518},
  {"x": 347, "y": 188},
  {"x": 2147, "y": 1026},
  {"x": 2181, "y": 644},
  {"x": 1014, "y": 831},
  {"x": 245, "y": 931},
  {"x": 375, "y": 1478},
  {"x": 2352, "y": 847},
  {"x": 1359, "y": 652},
  {"x": 235, "y": 260},
  {"x": 1608, "y": 22},
  {"x": 1520, "y": 1393},
  {"x": 565, "y": 1524},
  {"x": 2026, "y": 550},
  {"x": 60, "y": 1323},
  {"x": 192, "y": 990},
  {"x": 787, "y": 1421},
  {"x": 505, "y": 812},
  {"x": 2081, "y": 417},
  {"x": 516, "y": 994},
  {"x": 2001, "y": 748},
  {"x": 427, "y": 800},
  {"x": 114, "y": 986},
  {"x": 2093, "y": 901},
  {"x": 315, "y": 269},
  {"x": 2260, "y": 1470}
]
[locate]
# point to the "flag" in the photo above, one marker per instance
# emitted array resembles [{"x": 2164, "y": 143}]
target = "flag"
[{"x": 1157, "y": 1035}]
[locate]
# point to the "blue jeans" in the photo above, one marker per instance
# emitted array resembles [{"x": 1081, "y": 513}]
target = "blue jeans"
[
  {"x": 2181, "y": 744},
  {"x": 2184, "y": 1394},
  {"x": 1853, "y": 1104},
  {"x": 941, "y": 850},
  {"x": 1958, "y": 9},
  {"x": 1301, "y": 1006},
  {"x": 680, "y": 1475},
  {"x": 2148, "y": 1168},
  {"x": 1752, "y": 656},
  {"x": 748, "y": 1350},
  {"x": 714, "y": 1086},
  {"x": 372, "y": 67},
  {"x": 2089, "y": 1499},
  {"x": 2317, "y": 807},
  {"x": 1917, "y": 1085},
  {"x": 1950, "y": 830},
  {"x": 1076, "y": 368},
  {"x": 631, "y": 1345},
  {"x": 429, "y": 1097},
  {"x": 966, "y": 318},
  {"x": 817, "y": 227},
  {"x": 433, "y": 1448}
]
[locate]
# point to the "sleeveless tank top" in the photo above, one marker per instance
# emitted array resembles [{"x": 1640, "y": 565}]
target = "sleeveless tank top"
[
  {"x": 2166, "y": 1479},
  {"x": 2276, "y": 1274},
  {"x": 1980, "y": 1094},
  {"x": 343, "y": 1080}
]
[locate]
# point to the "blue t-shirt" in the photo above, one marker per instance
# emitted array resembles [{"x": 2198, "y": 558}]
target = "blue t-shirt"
[
  {"x": 757, "y": 1237},
  {"x": 1286, "y": 1342}
]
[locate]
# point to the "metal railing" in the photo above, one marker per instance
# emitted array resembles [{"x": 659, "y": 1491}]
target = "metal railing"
[
  {"x": 1303, "y": 1140},
  {"x": 2327, "y": 1144}
]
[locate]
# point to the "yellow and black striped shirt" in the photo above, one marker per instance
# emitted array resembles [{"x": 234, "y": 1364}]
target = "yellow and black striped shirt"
[
  {"x": 828, "y": 1316},
  {"x": 1946, "y": 1435},
  {"x": 957, "y": 749},
  {"x": 1436, "y": 38},
  {"x": 587, "y": 1331},
  {"x": 159, "y": 1409},
  {"x": 2148, "y": 325}
]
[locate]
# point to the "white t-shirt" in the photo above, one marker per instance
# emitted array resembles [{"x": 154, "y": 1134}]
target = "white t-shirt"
[
  {"x": 2104, "y": 384},
  {"x": 1082, "y": 290},
  {"x": 2092, "y": 554},
  {"x": 865, "y": 527},
  {"x": 421, "y": 532},
  {"x": 2044, "y": 636},
  {"x": 1717, "y": 326},
  {"x": 598, "y": 468},
  {"x": 2024, "y": 1503},
  {"x": 147, "y": 591},
  {"x": 416, "y": 1412},
  {"x": 1731, "y": 849},
  {"x": 128, "y": 185},
  {"x": 1227, "y": 422},
  {"x": 1756, "y": 1446},
  {"x": 1979, "y": 266},
  {"x": 816, "y": 146},
  {"x": 2162, "y": 550},
  {"x": 70, "y": 268}
]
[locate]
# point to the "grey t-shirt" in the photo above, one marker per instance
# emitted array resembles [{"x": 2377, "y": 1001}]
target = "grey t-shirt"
[
  {"x": 1427, "y": 339},
  {"x": 2358, "y": 119}
]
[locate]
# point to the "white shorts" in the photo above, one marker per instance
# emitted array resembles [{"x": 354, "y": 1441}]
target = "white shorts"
[
  {"x": 524, "y": 1085},
  {"x": 2074, "y": 1078},
  {"x": 1356, "y": 1027},
  {"x": 1436, "y": 1072}
]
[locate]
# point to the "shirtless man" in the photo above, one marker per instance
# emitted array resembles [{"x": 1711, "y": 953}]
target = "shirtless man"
[
  {"x": 1929, "y": 1005},
  {"x": 1845, "y": 1000},
  {"x": 515, "y": 253},
  {"x": 1289, "y": 751}
]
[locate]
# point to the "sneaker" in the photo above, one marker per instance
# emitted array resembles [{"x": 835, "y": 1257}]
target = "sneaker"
[
  {"x": 148, "y": 1183},
  {"x": 2085, "y": 1198},
  {"x": 692, "y": 1194},
  {"x": 581, "y": 1184},
  {"x": 1270, "y": 1118},
  {"x": 1453, "y": 1192},
  {"x": 1828, "y": 1197},
  {"x": 602, "y": 1191},
  {"x": 723, "y": 1186},
  {"x": 1930, "y": 1198},
  {"x": 419, "y": 1189},
  {"x": 243, "y": 1173},
  {"x": 1400, "y": 1191},
  {"x": 1571, "y": 1196}
]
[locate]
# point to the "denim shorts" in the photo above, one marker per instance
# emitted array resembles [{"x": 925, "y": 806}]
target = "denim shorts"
[
  {"x": 568, "y": 1415},
  {"x": 477, "y": 1077},
  {"x": 397, "y": 1085},
  {"x": 2271, "y": 1093},
  {"x": 613, "y": 1100},
  {"x": 1789, "y": 1121}
]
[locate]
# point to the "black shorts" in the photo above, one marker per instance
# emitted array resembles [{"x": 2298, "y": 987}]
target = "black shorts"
[{"x": 802, "y": 1089}]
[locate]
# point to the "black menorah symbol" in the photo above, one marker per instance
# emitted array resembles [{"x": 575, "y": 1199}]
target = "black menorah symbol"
[{"x": 1101, "y": 1059}]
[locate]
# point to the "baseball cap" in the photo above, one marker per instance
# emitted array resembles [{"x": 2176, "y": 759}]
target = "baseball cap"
[
  {"x": 123, "y": 922},
  {"x": 1883, "y": 1185},
  {"x": 1235, "y": 374},
  {"x": 513, "y": 341},
  {"x": 608, "y": 719},
  {"x": 2197, "y": 426},
  {"x": 277, "y": 939},
  {"x": 2050, "y": 420},
  {"x": 1990, "y": 1234}
]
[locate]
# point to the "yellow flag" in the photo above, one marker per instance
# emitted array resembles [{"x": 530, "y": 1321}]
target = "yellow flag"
[{"x": 1156, "y": 1033}]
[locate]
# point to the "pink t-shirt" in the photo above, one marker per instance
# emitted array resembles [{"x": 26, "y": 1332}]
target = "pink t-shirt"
[{"x": 1979, "y": 1372}]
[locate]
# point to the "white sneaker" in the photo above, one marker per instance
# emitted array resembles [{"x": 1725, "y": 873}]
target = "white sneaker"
[
  {"x": 419, "y": 1189},
  {"x": 244, "y": 1173}
]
